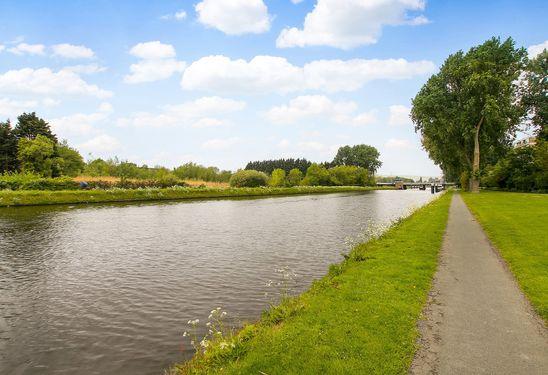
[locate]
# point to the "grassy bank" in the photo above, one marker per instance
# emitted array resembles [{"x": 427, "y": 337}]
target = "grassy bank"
[
  {"x": 30, "y": 198},
  {"x": 517, "y": 224},
  {"x": 359, "y": 319}
]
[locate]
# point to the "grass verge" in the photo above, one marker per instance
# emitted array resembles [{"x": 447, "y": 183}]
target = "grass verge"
[
  {"x": 41, "y": 197},
  {"x": 359, "y": 319},
  {"x": 517, "y": 224}
]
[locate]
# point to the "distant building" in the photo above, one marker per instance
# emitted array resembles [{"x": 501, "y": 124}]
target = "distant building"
[{"x": 530, "y": 141}]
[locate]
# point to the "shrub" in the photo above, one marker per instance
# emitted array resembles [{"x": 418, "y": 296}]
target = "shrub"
[
  {"x": 348, "y": 175},
  {"x": 278, "y": 178},
  {"x": 316, "y": 175},
  {"x": 248, "y": 178},
  {"x": 31, "y": 181},
  {"x": 294, "y": 177}
]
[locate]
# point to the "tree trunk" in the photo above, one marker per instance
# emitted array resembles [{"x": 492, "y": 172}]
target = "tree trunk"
[{"x": 474, "y": 180}]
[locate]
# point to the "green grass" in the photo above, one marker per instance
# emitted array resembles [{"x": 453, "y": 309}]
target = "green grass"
[
  {"x": 359, "y": 319},
  {"x": 517, "y": 224},
  {"x": 41, "y": 197}
]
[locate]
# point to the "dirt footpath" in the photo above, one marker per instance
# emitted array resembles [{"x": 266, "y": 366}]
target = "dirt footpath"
[{"x": 477, "y": 320}]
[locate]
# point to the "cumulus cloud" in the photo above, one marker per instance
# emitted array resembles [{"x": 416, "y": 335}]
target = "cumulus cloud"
[
  {"x": 10, "y": 108},
  {"x": 2, "y": 47},
  {"x": 81, "y": 124},
  {"x": 28, "y": 49},
  {"x": 536, "y": 49},
  {"x": 157, "y": 62},
  {"x": 399, "y": 115},
  {"x": 220, "y": 143},
  {"x": 44, "y": 81},
  {"x": 350, "y": 23},
  {"x": 234, "y": 17},
  {"x": 196, "y": 113},
  {"x": 319, "y": 106},
  {"x": 101, "y": 143},
  {"x": 397, "y": 144},
  {"x": 71, "y": 51},
  {"x": 265, "y": 74}
]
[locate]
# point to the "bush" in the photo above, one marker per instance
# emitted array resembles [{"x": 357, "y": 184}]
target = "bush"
[
  {"x": 348, "y": 175},
  {"x": 248, "y": 178},
  {"x": 278, "y": 178},
  {"x": 294, "y": 177},
  {"x": 30, "y": 181},
  {"x": 317, "y": 175}
]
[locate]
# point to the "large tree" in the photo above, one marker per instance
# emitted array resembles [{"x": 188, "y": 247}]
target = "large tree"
[
  {"x": 471, "y": 108},
  {"x": 534, "y": 94},
  {"x": 29, "y": 126},
  {"x": 359, "y": 156}
]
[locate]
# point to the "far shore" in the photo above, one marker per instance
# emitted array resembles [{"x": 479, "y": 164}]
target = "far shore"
[{"x": 44, "y": 197}]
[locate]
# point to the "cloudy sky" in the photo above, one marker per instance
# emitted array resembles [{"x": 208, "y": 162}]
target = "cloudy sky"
[{"x": 222, "y": 82}]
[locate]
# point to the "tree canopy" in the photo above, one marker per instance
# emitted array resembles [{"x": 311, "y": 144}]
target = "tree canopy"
[
  {"x": 359, "y": 156},
  {"x": 471, "y": 107}
]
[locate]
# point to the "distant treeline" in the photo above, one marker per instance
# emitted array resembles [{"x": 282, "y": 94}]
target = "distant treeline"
[{"x": 267, "y": 166}]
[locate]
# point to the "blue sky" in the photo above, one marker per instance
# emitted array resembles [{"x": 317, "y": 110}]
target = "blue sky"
[{"x": 222, "y": 82}]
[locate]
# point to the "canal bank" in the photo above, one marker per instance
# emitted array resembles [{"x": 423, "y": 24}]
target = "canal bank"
[
  {"x": 43, "y": 197},
  {"x": 360, "y": 318}
]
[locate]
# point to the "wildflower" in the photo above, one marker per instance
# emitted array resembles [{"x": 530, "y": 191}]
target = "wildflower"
[
  {"x": 185, "y": 334},
  {"x": 223, "y": 313},
  {"x": 223, "y": 345},
  {"x": 208, "y": 324}
]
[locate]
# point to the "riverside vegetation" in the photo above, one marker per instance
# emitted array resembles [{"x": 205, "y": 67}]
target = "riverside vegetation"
[{"x": 361, "y": 318}]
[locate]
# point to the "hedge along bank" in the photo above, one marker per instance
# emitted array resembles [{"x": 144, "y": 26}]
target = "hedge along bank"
[
  {"x": 359, "y": 319},
  {"x": 30, "y": 198}
]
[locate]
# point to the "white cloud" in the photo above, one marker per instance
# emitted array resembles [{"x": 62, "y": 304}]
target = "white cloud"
[
  {"x": 220, "y": 143},
  {"x": 12, "y": 108},
  {"x": 100, "y": 143},
  {"x": 296, "y": 1},
  {"x": 157, "y": 62},
  {"x": 81, "y": 123},
  {"x": 265, "y": 74},
  {"x": 71, "y": 51},
  {"x": 178, "y": 16},
  {"x": 85, "y": 68},
  {"x": 2, "y": 47},
  {"x": 397, "y": 144},
  {"x": 30, "y": 49},
  {"x": 153, "y": 50},
  {"x": 234, "y": 17},
  {"x": 399, "y": 115},
  {"x": 153, "y": 70},
  {"x": 44, "y": 81},
  {"x": 284, "y": 143},
  {"x": 350, "y": 23},
  {"x": 536, "y": 49},
  {"x": 320, "y": 107},
  {"x": 196, "y": 113}
]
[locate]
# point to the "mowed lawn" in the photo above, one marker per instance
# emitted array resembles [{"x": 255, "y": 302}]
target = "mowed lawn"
[
  {"x": 359, "y": 319},
  {"x": 517, "y": 224}
]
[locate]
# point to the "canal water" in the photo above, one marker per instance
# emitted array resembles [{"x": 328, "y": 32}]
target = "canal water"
[{"x": 108, "y": 289}]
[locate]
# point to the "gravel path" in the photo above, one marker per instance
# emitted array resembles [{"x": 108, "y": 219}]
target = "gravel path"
[{"x": 477, "y": 320}]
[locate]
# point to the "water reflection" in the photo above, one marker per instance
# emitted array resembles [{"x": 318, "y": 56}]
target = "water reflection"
[{"x": 108, "y": 288}]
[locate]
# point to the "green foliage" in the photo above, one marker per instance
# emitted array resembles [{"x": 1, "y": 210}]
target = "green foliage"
[
  {"x": 464, "y": 180},
  {"x": 277, "y": 179},
  {"x": 317, "y": 175},
  {"x": 360, "y": 156},
  {"x": 36, "y": 155},
  {"x": 349, "y": 175},
  {"x": 248, "y": 178},
  {"x": 8, "y": 148},
  {"x": 31, "y": 181},
  {"x": 517, "y": 224},
  {"x": 268, "y": 166},
  {"x": 72, "y": 163},
  {"x": 471, "y": 87},
  {"x": 294, "y": 177},
  {"x": 522, "y": 169},
  {"x": 391, "y": 179},
  {"x": 534, "y": 94},
  {"x": 195, "y": 171},
  {"x": 30, "y": 126}
]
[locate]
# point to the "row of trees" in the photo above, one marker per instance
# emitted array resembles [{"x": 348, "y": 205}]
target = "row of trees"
[
  {"x": 468, "y": 114},
  {"x": 362, "y": 156},
  {"x": 31, "y": 147}
]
